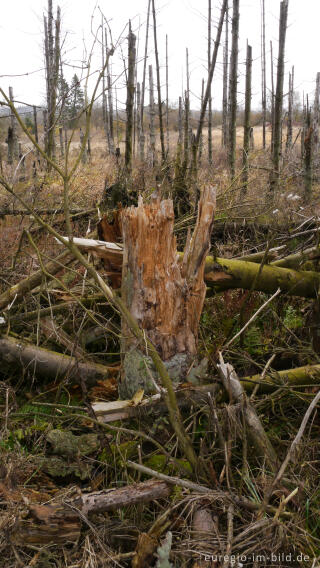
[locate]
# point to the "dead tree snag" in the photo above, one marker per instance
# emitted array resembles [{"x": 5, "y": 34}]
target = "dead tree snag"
[{"x": 164, "y": 295}]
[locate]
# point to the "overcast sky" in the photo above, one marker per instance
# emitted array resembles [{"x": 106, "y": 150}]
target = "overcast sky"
[{"x": 185, "y": 22}]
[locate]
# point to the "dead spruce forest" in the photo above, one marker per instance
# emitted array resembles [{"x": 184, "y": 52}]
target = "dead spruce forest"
[{"x": 159, "y": 307}]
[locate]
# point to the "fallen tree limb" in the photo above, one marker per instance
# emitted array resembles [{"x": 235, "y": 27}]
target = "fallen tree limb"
[
  {"x": 224, "y": 496},
  {"x": 255, "y": 428},
  {"x": 49, "y": 364},
  {"x": 18, "y": 291},
  {"x": 61, "y": 524},
  {"x": 56, "y": 309},
  {"x": 58, "y": 210},
  {"x": 309, "y": 374}
]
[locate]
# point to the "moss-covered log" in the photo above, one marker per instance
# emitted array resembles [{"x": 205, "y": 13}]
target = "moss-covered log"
[
  {"x": 309, "y": 374},
  {"x": 46, "y": 363},
  {"x": 224, "y": 274}
]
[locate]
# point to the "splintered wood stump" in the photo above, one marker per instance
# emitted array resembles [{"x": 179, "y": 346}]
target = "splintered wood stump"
[{"x": 163, "y": 293}]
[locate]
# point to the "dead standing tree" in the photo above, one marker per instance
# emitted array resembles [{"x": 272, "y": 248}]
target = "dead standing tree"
[
  {"x": 308, "y": 147},
  {"x": 316, "y": 116},
  {"x": 52, "y": 60},
  {"x": 143, "y": 86},
  {"x": 110, "y": 99},
  {"x": 224, "y": 133},
  {"x": 152, "y": 134},
  {"x": 163, "y": 150},
  {"x": 290, "y": 111},
  {"x": 263, "y": 73},
  {"x": 233, "y": 80},
  {"x": 210, "y": 98},
  {"x": 247, "y": 125},
  {"x": 130, "y": 97},
  {"x": 278, "y": 103},
  {"x": 12, "y": 138},
  {"x": 165, "y": 296}
]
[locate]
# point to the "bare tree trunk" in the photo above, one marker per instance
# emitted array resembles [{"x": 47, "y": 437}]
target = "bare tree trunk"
[
  {"x": 167, "y": 97},
  {"x": 151, "y": 120},
  {"x": 233, "y": 80},
  {"x": 263, "y": 73},
  {"x": 84, "y": 155},
  {"x": 276, "y": 158},
  {"x": 316, "y": 115},
  {"x": 180, "y": 122},
  {"x": 272, "y": 99},
  {"x": 163, "y": 150},
  {"x": 143, "y": 87},
  {"x": 224, "y": 133},
  {"x": 12, "y": 140},
  {"x": 247, "y": 125},
  {"x": 110, "y": 99},
  {"x": 138, "y": 114},
  {"x": 290, "y": 110},
  {"x": 201, "y": 137},
  {"x": 61, "y": 141},
  {"x": 105, "y": 112},
  {"x": 52, "y": 58},
  {"x": 308, "y": 143},
  {"x": 186, "y": 140},
  {"x": 210, "y": 98},
  {"x": 130, "y": 97},
  {"x": 35, "y": 122},
  {"x": 211, "y": 71}
]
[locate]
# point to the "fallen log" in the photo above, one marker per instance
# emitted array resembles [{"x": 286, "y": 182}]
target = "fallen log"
[
  {"x": 228, "y": 273},
  {"x": 224, "y": 274},
  {"x": 61, "y": 524},
  {"x": 49, "y": 364},
  {"x": 52, "y": 211},
  {"x": 17, "y": 292},
  {"x": 308, "y": 374}
]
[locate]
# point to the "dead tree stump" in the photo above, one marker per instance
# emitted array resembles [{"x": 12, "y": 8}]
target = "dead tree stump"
[{"x": 164, "y": 294}]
